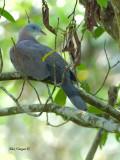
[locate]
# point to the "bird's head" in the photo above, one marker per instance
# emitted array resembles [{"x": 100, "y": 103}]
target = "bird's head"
[
  {"x": 33, "y": 29},
  {"x": 30, "y": 30}
]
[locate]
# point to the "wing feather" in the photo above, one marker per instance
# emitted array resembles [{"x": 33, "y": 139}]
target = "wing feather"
[{"x": 26, "y": 57}]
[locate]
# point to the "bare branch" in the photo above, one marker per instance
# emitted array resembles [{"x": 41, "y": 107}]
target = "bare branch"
[
  {"x": 48, "y": 99},
  {"x": 38, "y": 97},
  {"x": 56, "y": 33},
  {"x": 86, "y": 96},
  {"x": 112, "y": 98},
  {"x": 11, "y": 96},
  {"x": 79, "y": 117},
  {"x": 21, "y": 90},
  {"x": 1, "y": 61},
  {"x": 108, "y": 71},
  {"x": 73, "y": 12},
  {"x": 94, "y": 146},
  {"x": 28, "y": 17},
  {"x": 15, "y": 76}
]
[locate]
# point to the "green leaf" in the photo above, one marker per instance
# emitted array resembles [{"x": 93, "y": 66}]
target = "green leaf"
[
  {"x": 60, "y": 98},
  {"x": 103, "y": 138},
  {"x": 94, "y": 110},
  {"x": 84, "y": 28},
  {"x": 81, "y": 67},
  {"x": 117, "y": 136},
  {"x": 102, "y": 3},
  {"x": 98, "y": 32},
  {"x": 7, "y": 15},
  {"x": 86, "y": 86},
  {"x": 3, "y": 120}
]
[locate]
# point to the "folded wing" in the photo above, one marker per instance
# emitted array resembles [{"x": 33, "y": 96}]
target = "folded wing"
[{"x": 27, "y": 59}]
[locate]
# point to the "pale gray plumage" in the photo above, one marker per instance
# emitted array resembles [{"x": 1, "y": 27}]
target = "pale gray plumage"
[{"x": 27, "y": 57}]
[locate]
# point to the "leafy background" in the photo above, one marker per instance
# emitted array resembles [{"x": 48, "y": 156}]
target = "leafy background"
[{"x": 69, "y": 141}]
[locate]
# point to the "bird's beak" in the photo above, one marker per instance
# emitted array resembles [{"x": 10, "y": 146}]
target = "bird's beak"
[{"x": 42, "y": 32}]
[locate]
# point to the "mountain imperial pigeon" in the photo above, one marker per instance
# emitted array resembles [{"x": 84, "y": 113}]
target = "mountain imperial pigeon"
[{"x": 36, "y": 60}]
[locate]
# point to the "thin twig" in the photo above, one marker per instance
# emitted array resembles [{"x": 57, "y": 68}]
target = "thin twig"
[
  {"x": 94, "y": 146},
  {"x": 56, "y": 33},
  {"x": 114, "y": 65},
  {"x": 1, "y": 61},
  {"x": 28, "y": 18},
  {"x": 50, "y": 94},
  {"x": 39, "y": 114},
  {"x": 21, "y": 90},
  {"x": 35, "y": 91},
  {"x": 58, "y": 125},
  {"x": 50, "y": 97},
  {"x": 73, "y": 12},
  {"x": 17, "y": 103},
  {"x": 14, "y": 44},
  {"x": 11, "y": 96},
  {"x": 108, "y": 71}
]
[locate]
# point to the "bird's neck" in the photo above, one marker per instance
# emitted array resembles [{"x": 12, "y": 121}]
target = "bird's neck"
[{"x": 25, "y": 36}]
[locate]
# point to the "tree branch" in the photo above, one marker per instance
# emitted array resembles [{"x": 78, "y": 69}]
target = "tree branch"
[
  {"x": 95, "y": 144},
  {"x": 86, "y": 96},
  {"x": 77, "y": 116}
]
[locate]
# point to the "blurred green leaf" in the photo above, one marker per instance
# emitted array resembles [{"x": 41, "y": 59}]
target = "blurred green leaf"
[
  {"x": 117, "y": 136},
  {"x": 7, "y": 15},
  {"x": 103, "y": 138},
  {"x": 81, "y": 67},
  {"x": 86, "y": 86},
  {"x": 3, "y": 120},
  {"x": 102, "y": 3},
  {"x": 94, "y": 110},
  {"x": 98, "y": 32},
  {"x": 60, "y": 97}
]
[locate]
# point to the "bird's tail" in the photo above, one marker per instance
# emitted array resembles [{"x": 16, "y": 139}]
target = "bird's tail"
[{"x": 73, "y": 93}]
